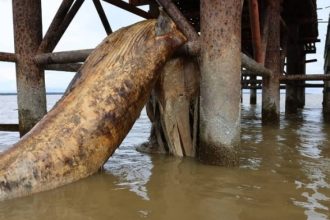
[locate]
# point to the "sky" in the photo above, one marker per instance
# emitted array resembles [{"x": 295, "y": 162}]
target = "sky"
[{"x": 86, "y": 31}]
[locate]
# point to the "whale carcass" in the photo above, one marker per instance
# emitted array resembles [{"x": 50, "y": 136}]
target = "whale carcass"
[{"x": 86, "y": 126}]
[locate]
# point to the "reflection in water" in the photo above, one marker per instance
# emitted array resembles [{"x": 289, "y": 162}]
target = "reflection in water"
[
  {"x": 313, "y": 139},
  {"x": 284, "y": 174}
]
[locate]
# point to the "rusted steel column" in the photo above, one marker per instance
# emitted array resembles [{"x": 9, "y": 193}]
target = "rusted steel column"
[
  {"x": 30, "y": 78},
  {"x": 271, "y": 85},
  {"x": 302, "y": 70},
  {"x": 326, "y": 89},
  {"x": 296, "y": 64},
  {"x": 220, "y": 79},
  {"x": 256, "y": 42},
  {"x": 291, "y": 105}
]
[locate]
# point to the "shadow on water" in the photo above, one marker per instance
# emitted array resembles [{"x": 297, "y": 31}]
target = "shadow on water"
[{"x": 284, "y": 174}]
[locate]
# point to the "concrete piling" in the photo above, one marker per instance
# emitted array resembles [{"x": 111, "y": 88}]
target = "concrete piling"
[{"x": 220, "y": 75}]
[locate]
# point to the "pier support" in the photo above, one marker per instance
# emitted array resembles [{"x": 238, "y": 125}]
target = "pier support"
[
  {"x": 326, "y": 90},
  {"x": 291, "y": 101},
  {"x": 271, "y": 85},
  {"x": 256, "y": 42},
  {"x": 295, "y": 91},
  {"x": 326, "y": 95},
  {"x": 301, "y": 87},
  {"x": 220, "y": 80},
  {"x": 30, "y": 78}
]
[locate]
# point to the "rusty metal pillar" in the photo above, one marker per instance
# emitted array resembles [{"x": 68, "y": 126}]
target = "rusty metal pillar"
[
  {"x": 295, "y": 90},
  {"x": 326, "y": 89},
  {"x": 31, "y": 93},
  {"x": 259, "y": 55},
  {"x": 220, "y": 82},
  {"x": 271, "y": 85},
  {"x": 293, "y": 54},
  {"x": 301, "y": 84}
]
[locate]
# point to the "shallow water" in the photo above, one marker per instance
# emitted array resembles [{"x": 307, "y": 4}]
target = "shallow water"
[{"x": 284, "y": 174}]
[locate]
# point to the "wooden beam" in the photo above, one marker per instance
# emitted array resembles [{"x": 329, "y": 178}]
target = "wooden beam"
[
  {"x": 140, "y": 2},
  {"x": 131, "y": 8},
  {"x": 48, "y": 44},
  {"x": 69, "y": 67},
  {"x": 55, "y": 24},
  {"x": 258, "y": 52},
  {"x": 9, "y": 127},
  {"x": 270, "y": 90},
  {"x": 311, "y": 61},
  {"x": 254, "y": 67},
  {"x": 62, "y": 57},
  {"x": 179, "y": 19},
  {"x": 7, "y": 57},
  {"x": 301, "y": 77},
  {"x": 102, "y": 16}
]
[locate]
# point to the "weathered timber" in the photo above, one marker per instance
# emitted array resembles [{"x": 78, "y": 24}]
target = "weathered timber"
[
  {"x": 9, "y": 127},
  {"x": 301, "y": 97},
  {"x": 179, "y": 19},
  {"x": 219, "y": 128},
  {"x": 90, "y": 121},
  {"x": 293, "y": 54},
  {"x": 311, "y": 61},
  {"x": 69, "y": 67},
  {"x": 31, "y": 94},
  {"x": 285, "y": 86},
  {"x": 295, "y": 61},
  {"x": 326, "y": 90},
  {"x": 192, "y": 48},
  {"x": 172, "y": 109},
  {"x": 54, "y": 26},
  {"x": 256, "y": 41},
  {"x": 62, "y": 57},
  {"x": 271, "y": 85},
  {"x": 56, "y": 33},
  {"x": 254, "y": 67},
  {"x": 302, "y": 77},
  {"x": 102, "y": 16},
  {"x": 131, "y": 8},
  {"x": 7, "y": 57}
]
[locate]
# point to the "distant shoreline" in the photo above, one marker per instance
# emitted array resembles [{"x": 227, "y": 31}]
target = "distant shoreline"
[{"x": 48, "y": 93}]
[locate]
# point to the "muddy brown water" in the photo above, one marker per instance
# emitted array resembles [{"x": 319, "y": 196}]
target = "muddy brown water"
[{"x": 284, "y": 174}]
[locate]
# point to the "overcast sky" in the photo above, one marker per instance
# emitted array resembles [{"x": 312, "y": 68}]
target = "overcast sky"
[{"x": 86, "y": 31}]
